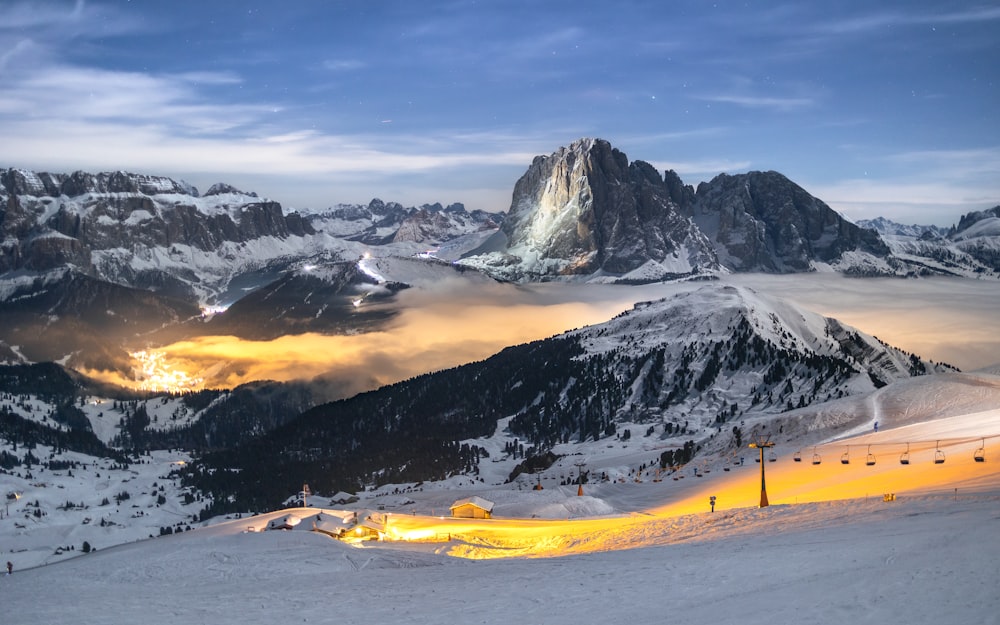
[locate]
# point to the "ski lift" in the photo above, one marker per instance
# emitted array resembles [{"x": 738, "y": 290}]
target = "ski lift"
[
  {"x": 797, "y": 456},
  {"x": 772, "y": 457},
  {"x": 870, "y": 458},
  {"x": 904, "y": 458},
  {"x": 846, "y": 457},
  {"x": 980, "y": 455},
  {"x": 816, "y": 457},
  {"x": 938, "y": 454}
]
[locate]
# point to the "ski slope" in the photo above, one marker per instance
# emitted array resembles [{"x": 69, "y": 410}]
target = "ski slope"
[{"x": 828, "y": 549}]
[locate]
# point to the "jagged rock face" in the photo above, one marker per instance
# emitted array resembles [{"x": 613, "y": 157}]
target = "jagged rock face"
[
  {"x": 433, "y": 224},
  {"x": 381, "y": 223},
  {"x": 220, "y": 188},
  {"x": 586, "y": 209},
  {"x": 970, "y": 219},
  {"x": 52, "y": 220},
  {"x": 762, "y": 221},
  {"x": 23, "y": 182},
  {"x": 888, "y": 227}
]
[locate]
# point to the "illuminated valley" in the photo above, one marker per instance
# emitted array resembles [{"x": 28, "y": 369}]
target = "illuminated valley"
[{"x": 155, "y": 373}]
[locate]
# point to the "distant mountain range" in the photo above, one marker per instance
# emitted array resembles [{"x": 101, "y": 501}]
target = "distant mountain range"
[
  {"x": 95, "y": 266},
  {"x": 970, "y": 248}
]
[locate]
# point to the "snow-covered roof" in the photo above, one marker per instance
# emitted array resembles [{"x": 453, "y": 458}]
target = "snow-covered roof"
[
  {"x": 479, "y": 502},
  {"x": 284, "y": 522}
]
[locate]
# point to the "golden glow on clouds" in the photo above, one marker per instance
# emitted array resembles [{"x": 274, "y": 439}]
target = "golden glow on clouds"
[
  {"x": 454, "y": 322},
  {"x": 156, "y": 374},
  {"x": 436, "y": 329}
]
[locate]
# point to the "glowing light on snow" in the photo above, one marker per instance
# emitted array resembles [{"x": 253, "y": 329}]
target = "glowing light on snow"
[
  {"x": 737, "y": 494},
  {"x": 209, "y": 311},
  {"x": 154, "y": 372},
  {"x": 369, "y": 271}
]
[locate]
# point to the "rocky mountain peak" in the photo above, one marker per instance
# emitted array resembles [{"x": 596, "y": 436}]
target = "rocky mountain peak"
[
  {"x": 44, "y": 184},
  {"x": 762, "y": 221},
  {"x": 586, "y": 209},
  {"x": 968, "y": 220},
  {"x": 221, "y": 188}
]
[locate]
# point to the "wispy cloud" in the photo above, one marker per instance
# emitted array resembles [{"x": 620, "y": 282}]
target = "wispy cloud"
[
  {"x": 344, "y": 65},
  {"x": 81, "y": 19},
  {"x": 67, "y": 95},
  {"x": 952, "y": 164},
  {"x": 22, "y": 15},
  {"x": 883, "y": 19},
  {"x": 911, "y": 200},
  {"x": 761, "y": 102}
]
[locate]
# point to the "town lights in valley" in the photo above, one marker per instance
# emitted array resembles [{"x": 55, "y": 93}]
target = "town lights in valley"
[{"x": 155, "y": 373}]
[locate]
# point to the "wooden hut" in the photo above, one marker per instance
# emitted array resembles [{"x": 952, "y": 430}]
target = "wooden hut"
[{"x": 472, "y": 508}]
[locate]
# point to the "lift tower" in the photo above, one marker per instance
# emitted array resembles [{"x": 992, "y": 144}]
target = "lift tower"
[{"x": 763, "y": 442}]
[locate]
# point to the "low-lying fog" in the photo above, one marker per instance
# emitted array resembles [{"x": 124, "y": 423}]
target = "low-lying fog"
[{"x": 451, "y": 323}]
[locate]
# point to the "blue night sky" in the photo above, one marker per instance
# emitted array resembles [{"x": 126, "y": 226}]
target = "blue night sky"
[{"x": 888, "y": 108}]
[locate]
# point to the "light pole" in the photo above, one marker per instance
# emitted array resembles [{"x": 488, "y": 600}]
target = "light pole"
[
  {"x": 17, "y": 497},
  {"x": 762, "y": 443},
  {"x": 579, "y": 477}
]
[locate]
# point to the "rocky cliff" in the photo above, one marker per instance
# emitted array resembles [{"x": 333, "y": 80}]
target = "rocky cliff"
[
  {"x": 586, "y": 210},
  {"x": 125, "y": 228},
  {"x": 762, "y": 221}
]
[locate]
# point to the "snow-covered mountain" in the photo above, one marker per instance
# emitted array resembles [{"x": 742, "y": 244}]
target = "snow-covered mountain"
[
  {"x": 763, "y": 222},
  {"x": 685, "y": 368},
  {"x": 889, "y": 227},
  {"x": 970, "y": 248},
  {"x": 93, "y": 265},
  {"x": 382, "y": 223}
]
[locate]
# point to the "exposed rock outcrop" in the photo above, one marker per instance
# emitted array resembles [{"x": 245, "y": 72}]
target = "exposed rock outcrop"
[
  {"x": 585, "y": 209},
  {"x": 762, "y": 221}
]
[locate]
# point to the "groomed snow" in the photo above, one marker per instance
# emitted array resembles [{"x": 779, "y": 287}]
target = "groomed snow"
[
  {"x": 829, "y": 549},
  {"x": 916, "y": 560}
]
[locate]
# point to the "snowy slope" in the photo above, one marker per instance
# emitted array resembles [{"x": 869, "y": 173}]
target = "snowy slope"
[
  {"x": 920, "y": 559},
  {"x": 956, "y": 413}
]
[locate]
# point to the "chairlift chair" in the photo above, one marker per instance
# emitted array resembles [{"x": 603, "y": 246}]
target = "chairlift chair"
[
  {"x": 904, "y": 458},
  {"x": 797, "y": 456},
  {"x": 870, "y": 458},
  {"x": 980, "y": 455},
  {"x": 938, "y": 455},
  {"x": 816, "y": 458},
  {"x": 772, "y": 457},
  {"x": 845, "y": 458}
]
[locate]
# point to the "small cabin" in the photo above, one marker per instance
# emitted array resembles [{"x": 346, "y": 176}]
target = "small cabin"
[
  {"x": 342, "y": 498},
  {"x": 367, "y": 529},
  {"x": 472, "y": 508}
]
